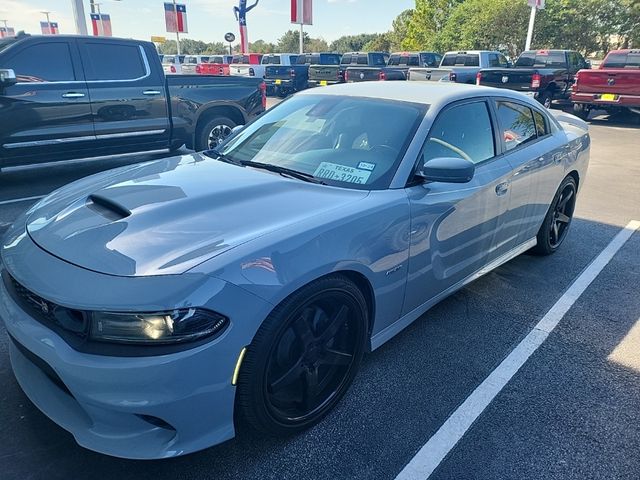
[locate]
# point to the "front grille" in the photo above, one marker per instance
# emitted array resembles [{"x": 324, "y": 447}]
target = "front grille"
[{"x": 45, "y": 311}]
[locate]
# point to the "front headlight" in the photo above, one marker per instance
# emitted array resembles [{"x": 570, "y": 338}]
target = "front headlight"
[{"x": 177, "y": 326}]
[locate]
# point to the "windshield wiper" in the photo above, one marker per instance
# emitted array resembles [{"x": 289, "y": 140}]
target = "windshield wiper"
[
  {"x": 306, "y": 177},
  {"x": 222, "y": 157}
]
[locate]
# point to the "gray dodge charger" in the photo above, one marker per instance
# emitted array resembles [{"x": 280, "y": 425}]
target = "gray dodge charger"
[{"x": 152, "y": 306}]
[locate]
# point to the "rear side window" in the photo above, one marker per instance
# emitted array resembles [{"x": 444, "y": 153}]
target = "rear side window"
[
  {"x": 541, "y": 125},
  {"x": 114, "y": 61},
  {"x": 461, "y": 60},
  {"x": 463, "y": 131},
  {"x": 43, "y": 62},
  {"x": 493, "y": 60},
  {"x": 517, "y": 126},
  {"x": 378, "y": 59},
  {"x": 362, "y": 59},
  {"x": 622, "y": 60},
  {"x": 346, "y": 59}
]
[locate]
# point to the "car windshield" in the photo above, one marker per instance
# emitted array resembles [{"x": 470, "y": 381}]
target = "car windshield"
[{"x": 343, "y": 141}]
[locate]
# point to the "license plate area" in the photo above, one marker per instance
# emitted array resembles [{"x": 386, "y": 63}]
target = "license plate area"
[
  {"x": 278, "y": 82},
  {"x": 323, "y": 83},
  {"x": 609, "y": 97}
]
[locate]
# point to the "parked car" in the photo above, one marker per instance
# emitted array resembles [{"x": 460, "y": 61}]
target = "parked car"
[
  {"x": 459, "y": 67},
  {"x": 247, "y": 65},
  {"x": 613, "y": 87},
  {"x": 191, "y": 62},
  {"x": 357, "y": 66},
  {"x": 148, "y": 305},
  {"x": 217, "y": 65},
  {"x": 324, "y": 69},
  {"x": 397, "y": 67},
  {"x": 546, "y": 75},
  {"x": 279, "y": 75},
  {"x": 74, "y": 97},
  {"x": 172, "y": 63}
]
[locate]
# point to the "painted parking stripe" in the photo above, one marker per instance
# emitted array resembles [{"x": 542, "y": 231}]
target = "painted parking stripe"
[
  {"x": 423, "y": 464},
  {"x": 18, "y": 200}
]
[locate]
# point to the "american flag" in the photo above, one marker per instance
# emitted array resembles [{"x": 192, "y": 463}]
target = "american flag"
[
  {"x": 49, "y": 28},
  {"x": 7, "y": 32},
  {"x": 176, "y": 20},
  {"x": 302, "y": 12},
  {"x": 106, "y": 24}
]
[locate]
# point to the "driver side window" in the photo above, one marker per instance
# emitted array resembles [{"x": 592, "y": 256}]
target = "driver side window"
[{"x": 462, "y": 131}]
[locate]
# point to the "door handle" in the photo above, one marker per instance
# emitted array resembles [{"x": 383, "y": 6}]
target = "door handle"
[
  {"x": 151, "y": 92},
  {"x": 72, "y": 95},
  {"x": 502, "y": 188}
]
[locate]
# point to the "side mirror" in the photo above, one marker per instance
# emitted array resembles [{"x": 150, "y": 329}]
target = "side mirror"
[
  {"x": 587, "y": 64},
  {"x": 448, "y": 170},
  {"x": 7, "y": 77}
]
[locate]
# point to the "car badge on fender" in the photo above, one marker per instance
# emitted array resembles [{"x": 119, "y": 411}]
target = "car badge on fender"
[{"x": 505, "y": 79}]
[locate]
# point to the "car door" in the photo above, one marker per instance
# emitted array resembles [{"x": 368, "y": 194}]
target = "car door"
[
  {"x": 535, "y": 156},
  {"x": 128, "y": 97},
  {"x": 456, "y": 229},
  {"x": 47, "y": 114}
]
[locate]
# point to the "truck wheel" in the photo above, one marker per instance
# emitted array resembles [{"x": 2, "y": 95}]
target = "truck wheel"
[
  {"x": 545, "y": 98},
  {"x": 213, "y": 132},
  {"x": 581, "y": 111}
]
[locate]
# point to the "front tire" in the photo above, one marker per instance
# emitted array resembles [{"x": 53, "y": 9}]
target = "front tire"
[
  {"x": 304, "y": 357},
  {"x": 546, "y": 99},
  {"x": 556, "y": 224}
]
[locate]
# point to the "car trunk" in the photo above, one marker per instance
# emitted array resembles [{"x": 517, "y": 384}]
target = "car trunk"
[
  {"x": 278, "y": 72},
  {"x": 363, "y": 74},
  {"x": 511, "y": 78},
  {"x": 612, "y": 81},
  {"x": 327, "y": 73}
]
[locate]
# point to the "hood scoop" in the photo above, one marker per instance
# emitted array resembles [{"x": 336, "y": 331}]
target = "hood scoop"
[{"x": 106, "y": 207}]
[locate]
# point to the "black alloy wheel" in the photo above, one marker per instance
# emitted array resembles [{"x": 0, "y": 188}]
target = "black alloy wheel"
[
  {"x": 556, "y": 224},
  {"x": 304, "y": 357}
]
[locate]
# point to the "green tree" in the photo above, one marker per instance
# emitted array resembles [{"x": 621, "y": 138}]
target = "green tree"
[
  {"x": 352, "y": 43},
  {"x": 380, "y": 43},
  {"x": 318, "y": 45},
  {"x": 427, "y": 22},
  {"x": 260, "y": 46},
  {"x": 290, "y": 42},
  {"x": 400, "y": 29}
]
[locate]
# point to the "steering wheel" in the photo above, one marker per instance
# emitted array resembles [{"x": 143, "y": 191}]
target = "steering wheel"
[{"x": 453, "y": 148}]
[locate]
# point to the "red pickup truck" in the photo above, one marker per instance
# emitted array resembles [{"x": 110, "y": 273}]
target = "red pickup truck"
[
  {"x": 613, "y": 87},
  {"x": 217, "y": 65}
]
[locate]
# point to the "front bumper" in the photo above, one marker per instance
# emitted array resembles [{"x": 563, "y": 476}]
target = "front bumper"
[
  {"x": 596, "y": 100},
  {"x": 142, "y": 407}
]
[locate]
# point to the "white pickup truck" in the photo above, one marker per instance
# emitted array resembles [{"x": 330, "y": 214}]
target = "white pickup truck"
[
  {"x": 460, "y": 67},
  {"x": 248, "y": 65}
]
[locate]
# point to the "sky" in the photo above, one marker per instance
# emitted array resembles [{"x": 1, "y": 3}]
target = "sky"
[{"x": 209, "y": 20}]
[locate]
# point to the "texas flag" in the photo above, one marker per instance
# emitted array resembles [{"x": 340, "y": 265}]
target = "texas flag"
[
  {"x": 7, "y": 32},
  {"x": 175, "y": 20},
  {"x": 302, "y": 12},
  {"x": 49, "y": 28},
  {"x": 101, "y": 26}
]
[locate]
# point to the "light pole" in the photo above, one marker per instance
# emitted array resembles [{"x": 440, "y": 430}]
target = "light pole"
[{"x": 78, "y": 17}]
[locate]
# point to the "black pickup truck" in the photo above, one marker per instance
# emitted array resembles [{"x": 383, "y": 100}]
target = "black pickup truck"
[
  {"x": 546, "y": 75},
  {"x": 65, "y": 97},
  {"x": 294, "y": 78},
  {"x": 397, "y": 67},
  {"x": 366, "y": 67}
]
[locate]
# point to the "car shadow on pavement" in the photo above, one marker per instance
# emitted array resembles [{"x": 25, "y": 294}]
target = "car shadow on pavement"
[{"x": 403, "y": 393}]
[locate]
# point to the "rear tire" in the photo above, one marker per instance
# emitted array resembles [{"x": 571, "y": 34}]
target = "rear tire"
[
  {"x": 556, "y": 223},
  {"x": 304, "y": 357},
  {"x": 545, "y": 99},
  {"x": 580, "y": 110},
  {"x": 212, "y": 132}
]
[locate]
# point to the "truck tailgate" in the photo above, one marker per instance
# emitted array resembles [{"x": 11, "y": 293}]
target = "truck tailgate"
[
  {"x": 363, "y": 74},
  {"x": 511, "y": 78},
  {"x": 329, "y": 73},
  {"x": 617, "y": 81},
  {"x": 278, "y": 72},
  {"x": 240, "y": 70},
  {"x": 429, "y": 74}
]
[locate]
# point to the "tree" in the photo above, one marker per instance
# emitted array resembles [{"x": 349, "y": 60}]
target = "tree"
[
  {"x": 352, "y": 43},
  {"x": 400, "y": 29},
  {"x": 380, "y": 43},
  {"x": 290, "y": 42},
  {"x": 318, "y": 45},
  {"x": 260, "y": 46},
  {"x": 427, "y": 22}
]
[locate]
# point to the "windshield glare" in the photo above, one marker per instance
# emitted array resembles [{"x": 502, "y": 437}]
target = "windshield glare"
[{"x": 344, "y": 141}]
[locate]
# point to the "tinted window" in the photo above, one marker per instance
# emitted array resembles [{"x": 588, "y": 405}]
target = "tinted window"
[
  {"x": 192, "y": 60},
  {"x": 378, "y": 59},
  {"x": 346, "y": 141},
  {"x": 463, "y": 131},
  {"x": 362, "y": 59},
  {"x": 329, "y": 59},
  {"x": 44, "y": 62},
  {"x": 541, "y": 59},
  {"x": 461, "y": 60},
  {"x": 430, "y": 60},
  {"x": 622, "y": 60},
  {"x": 516, "y": 124},
  {"x": 404, "y": 60},
  {"x": 114, "y": 62},
  {"x": 204, "y": 59},
  {"x": 541, "y": 124},
  {"x": 346, "y": 59},
  {"x": 170, "y": 59},
  {"x": 301, "y": 60},
  {"x": 493, "y": 60},
  {"x": 216, "y": 60},
  {"x": 274, "y": 59}
]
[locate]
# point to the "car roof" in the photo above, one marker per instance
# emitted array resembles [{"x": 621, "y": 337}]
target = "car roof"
[{"x": 427, "y": 93}]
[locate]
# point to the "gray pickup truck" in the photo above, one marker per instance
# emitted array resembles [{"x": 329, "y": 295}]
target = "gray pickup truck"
[{"x": 460, "y": 67}]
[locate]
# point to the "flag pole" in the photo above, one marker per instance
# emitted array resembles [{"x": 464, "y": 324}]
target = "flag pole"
[
  {"x": 532, "y": 20},
  {"x": 301, "y": 27},
  {"x": 175, "y": 12}
]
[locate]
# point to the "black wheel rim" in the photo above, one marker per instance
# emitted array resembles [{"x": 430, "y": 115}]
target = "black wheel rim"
[
  {"x": 217, "y": 135},
  {"x": 310, "y": 362},
  {"x": 562, "y": 214}
]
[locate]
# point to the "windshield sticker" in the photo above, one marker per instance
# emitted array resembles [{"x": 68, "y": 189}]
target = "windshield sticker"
[
  {"x": 367, "y": 166},
  {"x": 341, "y": 173}
]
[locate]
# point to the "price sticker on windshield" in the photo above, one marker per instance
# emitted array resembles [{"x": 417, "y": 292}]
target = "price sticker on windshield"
[{"x": 342, "y": 173}]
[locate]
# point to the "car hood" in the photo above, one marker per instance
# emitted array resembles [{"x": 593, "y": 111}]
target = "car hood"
[{"x": 167, "y": 216}]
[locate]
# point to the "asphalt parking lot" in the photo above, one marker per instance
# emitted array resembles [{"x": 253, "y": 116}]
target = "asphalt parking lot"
[{"x": 571, "y": 412}]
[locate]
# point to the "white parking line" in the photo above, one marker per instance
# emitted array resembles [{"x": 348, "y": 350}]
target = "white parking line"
[
  {"x": 423, "y": 464},
  {"x": 18, "y": 200}
]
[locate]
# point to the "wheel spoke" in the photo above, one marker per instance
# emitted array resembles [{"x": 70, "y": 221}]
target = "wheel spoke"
[
  {"x": 312, "y": 387},
  {"x": 555, "y": 232},
  {"x": 335, "y": 357},
  {"x": 336, "y": 323},
  {"x": 563, "y": 218},
  {"x": 302, "y": 329},
  {"x": 288, "y": 378},
  {"x": 563, "y": 201}
]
